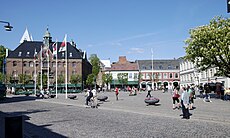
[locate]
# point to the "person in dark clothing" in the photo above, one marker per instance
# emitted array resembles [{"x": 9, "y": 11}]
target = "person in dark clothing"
[
  {"x": 207, "y": 90},
  {"x": 89, "y": 96}
]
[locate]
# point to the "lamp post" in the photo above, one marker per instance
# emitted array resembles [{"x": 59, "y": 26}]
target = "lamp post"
[
  {"x": 152, "y": 70},
  {"x": 8, "y": 27}
]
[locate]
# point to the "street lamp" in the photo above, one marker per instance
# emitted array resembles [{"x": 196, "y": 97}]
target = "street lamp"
[{"x": 8, "y": 27}]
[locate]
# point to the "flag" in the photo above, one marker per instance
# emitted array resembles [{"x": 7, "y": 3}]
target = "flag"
[
  {"x": 54, "y": 48},
  {"x": 63, "y": 45}
]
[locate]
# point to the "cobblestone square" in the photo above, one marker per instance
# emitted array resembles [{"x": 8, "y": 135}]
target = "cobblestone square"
[{"x": 127, "y": 117}]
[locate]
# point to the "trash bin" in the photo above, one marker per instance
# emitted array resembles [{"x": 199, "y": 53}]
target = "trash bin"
[{"x": 13, "y": 127}]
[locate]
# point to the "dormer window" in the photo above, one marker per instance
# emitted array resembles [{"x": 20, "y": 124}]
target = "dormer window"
[
  {"x": 27, "y": 54},
  {"x": 19, "y": 54}
]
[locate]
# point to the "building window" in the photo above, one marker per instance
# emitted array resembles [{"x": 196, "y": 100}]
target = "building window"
[
  {"x": 27, "y": 54},
  {"x": 159, "y": 75},
  {"x": 170, "y": 75},
  {"x": 74, "y": 64},
  {"x": 135, "y": 75},
  {"x": 176, "y": 75},
  {"x": 160, "y": 67},
  {"x": 59, "y": 64},
  {"x": 25, "y": 64},
  {"x": 130, "y": 75},
  {"x": 169, "y": 67},
  {"x": 45, "y": 64},
  {"x": 14, "y": 63},
  {"x": 165, "y": 76},
  {"x": 31, "y": 64},
  {"x": 143, "y": 67},
  {"x": 63, "y": 54},
  {"x": 19, "y": 54},
  {"x": 70, "y": 54},
  {"x": 53, "y": 64}
]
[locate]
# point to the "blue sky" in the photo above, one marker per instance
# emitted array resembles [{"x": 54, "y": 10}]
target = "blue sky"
[{"x": 111, "y": 28}]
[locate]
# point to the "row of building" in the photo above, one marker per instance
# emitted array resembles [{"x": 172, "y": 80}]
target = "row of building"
[{"x": 36, "y": 57}]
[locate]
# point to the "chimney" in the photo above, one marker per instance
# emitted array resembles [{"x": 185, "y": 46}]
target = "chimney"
[{"x": 122, "y": 59}]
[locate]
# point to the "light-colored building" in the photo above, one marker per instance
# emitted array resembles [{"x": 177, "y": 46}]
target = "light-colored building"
[
  {"x": 158, "y": 73},
  {"x": 190, "y": 75}
]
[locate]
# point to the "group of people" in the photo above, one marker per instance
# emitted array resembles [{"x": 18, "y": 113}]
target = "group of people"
[
  {"x": 91, "y": 97},
  {"x": 185, "y": 101}
]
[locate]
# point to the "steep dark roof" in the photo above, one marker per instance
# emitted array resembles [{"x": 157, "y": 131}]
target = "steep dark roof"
[
  {"x": 27, "y": 49},
  {"x": 158, "y": 64}
]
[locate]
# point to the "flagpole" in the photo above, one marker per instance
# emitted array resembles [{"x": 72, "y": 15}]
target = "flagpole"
[
  {"x": 56, "y": 67},
  {"x": 66, "y": 66},
  {"x": 48, "y": 72},
  {"x": 35, "y": 74},
  {"x": 41, "y": 69}
]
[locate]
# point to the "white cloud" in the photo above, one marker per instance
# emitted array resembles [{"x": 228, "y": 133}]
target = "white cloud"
[{"x": 135, "y": 51}]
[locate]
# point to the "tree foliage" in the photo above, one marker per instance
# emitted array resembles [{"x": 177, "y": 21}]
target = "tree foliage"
[
  {"x": 2, "y": 56},
  {"x": 209, "y": 46},
  {"x": 75, "y": 79},
  {"x": 122, "y": 78},
  {"x": 95, "y": 62},
  {"x": 60, "y": 79},
  {"x": 24, "y": 79},
  {"x": 107, "y": 78},
  {"x": 90, "y": 80}
]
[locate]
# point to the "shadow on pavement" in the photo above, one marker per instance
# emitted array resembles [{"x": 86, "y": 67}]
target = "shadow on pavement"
[
  {"x": 18, "y": 99},
  {"x": 29, "y": 130}
]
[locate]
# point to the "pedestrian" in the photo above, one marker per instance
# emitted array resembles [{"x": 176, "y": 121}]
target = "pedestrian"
[
  {"x": 207, "y": 90},
  {"x": 89, "y": 96},
  {"x": 185, "y": 103},
  {"x": 116, "y": 93},
  {"x": 176, "y": 97},
  {"x": 170, "y": 88},
  {"x": 149, "y": 91},
  {"x": 201, "y": 91},
  {"x": 191, "y": 93}
]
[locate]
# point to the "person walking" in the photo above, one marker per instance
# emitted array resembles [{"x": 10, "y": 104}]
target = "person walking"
[
  {"x": 89, "y": 96},
  {"x": 116, "y": 93},
  {"x": 176, "y": 97},
  {"x": 207, "y": 90},
  {"x": 149, "y": 91},
  {"x": 185, "y": 103}
]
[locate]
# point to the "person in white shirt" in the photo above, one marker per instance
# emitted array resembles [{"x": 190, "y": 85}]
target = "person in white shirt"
[
  {"x": 149, "y": 90},
  {"x": 185, "y": 103}
]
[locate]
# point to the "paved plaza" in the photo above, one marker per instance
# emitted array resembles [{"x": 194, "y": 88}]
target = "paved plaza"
[{"x": 127, "y": 117}]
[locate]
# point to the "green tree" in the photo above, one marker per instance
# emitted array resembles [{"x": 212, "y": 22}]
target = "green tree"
[
  {"x": 1, "y": 77},
  {"x": 209, "y": 46},
  {"x": 24, "y": 79},
  {"x": 122, "y": 78},
  {"x": 107, "y": 78},
  {"x": 2, "y": 56},
  {"x": 75, "y": 79},
  {"x": 95, "y": 62},
  {"x": 60, "y": 79},
  {"x": 90, "y": 79}
]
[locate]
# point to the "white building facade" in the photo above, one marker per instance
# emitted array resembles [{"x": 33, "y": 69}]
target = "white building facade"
[{"x": 190, "y": 75}]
